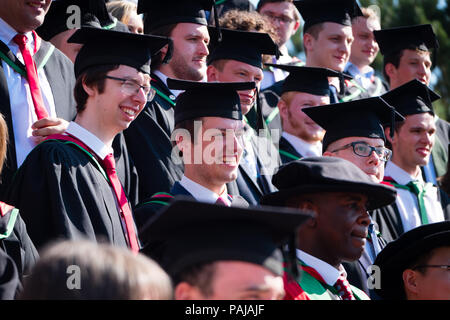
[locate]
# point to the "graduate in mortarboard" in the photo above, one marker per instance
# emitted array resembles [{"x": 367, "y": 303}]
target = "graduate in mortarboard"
[
  {"x": 304, "y": 87},
  {"x": 339, "y": 194},
  {"x": 217, "y": 252},
  {"x": 238, "y": 57},
  {"x": 416, "y": 265},
  {"x": 327, "y": 38},
  {"x": 354, "y": 132},
  {"x": 407, "y": 53},
  {"x": 68, "y": 186},
  {"x": 149, "y": 137},
  {"x": 209, "y": 137},
  {"x": 418, "y": 202}
]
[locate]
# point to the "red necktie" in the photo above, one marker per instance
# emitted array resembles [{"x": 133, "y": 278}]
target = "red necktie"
[
  {"x": 110, "y": 165},
  {"x": 221, "y": 202},
  {"x": 343, "y": 288},
  {"x": 32, "y": 76}
]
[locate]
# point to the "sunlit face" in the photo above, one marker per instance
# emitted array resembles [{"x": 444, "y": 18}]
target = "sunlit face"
[
  {"x": 413, "y": 64},
  {"x": 24, "y": 15},
  {"x": 364, "y": 47},
  {"x": 296, "y": 122},
  {"x": 135, "y": 24},
  {"x": 372, "y": 165},
  {"x": 332, "y": 47},
  {"x": 414, "y": 140},
  {"x": 190, "y": 43},
  {"x": 282, "y": 16},
  {"x": 237, "y": 71}
]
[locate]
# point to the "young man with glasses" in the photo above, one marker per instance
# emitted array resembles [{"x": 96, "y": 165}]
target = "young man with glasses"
[
  {"x": 418, "y": 202},
  {"x": 354, "y": 132},
  {"x": 68, "y": 185},
  {"x": 416, "y": 266}
]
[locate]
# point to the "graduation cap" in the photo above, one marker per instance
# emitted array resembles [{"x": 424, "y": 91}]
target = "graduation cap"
[
  {"x": 394, "y": 40},
  {"x": 318, "y": 11},
  {"x": 403, "y": 252},
  {"x": 161, "y": 13},
  {"x": 411, "y": 98},
  {"x": 102, "y": 47},
  {"x": 57, "y": 17},
  {"x": 193, "y": 233},
  {"x": 208, "y": 99},
  {"x": 359, "y": 118},
  {"x": 243, "y": 46},
  {"x": 326, "y": 174},
  {"x": 307, "y": 79}
]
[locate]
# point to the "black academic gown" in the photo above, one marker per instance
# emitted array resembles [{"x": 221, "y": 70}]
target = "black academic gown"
[
  {"x": 150, "y": 207},
  {"x": 352, "y": 91},
  {"x": 75, "y": 201},
  {"x": 249, "y": 187},
  {"x": 269, "y": 100},
  {"x": 440, "y": 148},
  {"x": 377, "y": 87},
  {"x": 389, "y": 221},
  {"x": 9, "y": 277},
  {"x": 288, "y": 152},
  {"x": 60, "y": 75},
  {"x": 150, "y": 147},
  {"x": 14, "y": 240}
]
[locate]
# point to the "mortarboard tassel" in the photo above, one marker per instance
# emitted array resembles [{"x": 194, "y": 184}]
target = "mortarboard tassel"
[
  {"x": 216, "y": 22},
  {"x": 169, "y": 52},
  {"x": 291, "y": 258},
  {"x": 341, "y": 83}
]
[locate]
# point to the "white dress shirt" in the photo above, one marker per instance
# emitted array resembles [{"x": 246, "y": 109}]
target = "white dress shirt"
[
  {"x": 329, "y": 273},
  {"x": 302, "y": 147},
  {"x": 22, "y": 107},
  {"x": 407, "y": 202},
  {"x": 202, "y": 194},
  {"x": 164, "y": 78}
]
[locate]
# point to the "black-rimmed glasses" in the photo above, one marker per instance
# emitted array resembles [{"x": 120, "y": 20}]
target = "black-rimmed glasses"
[
  {"x": 362, "y": 149},
  {"x": 131, "y": 88}
]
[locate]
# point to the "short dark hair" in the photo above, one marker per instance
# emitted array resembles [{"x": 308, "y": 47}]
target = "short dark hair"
[
  {"x": 189, "y": 126},
  {"x": 92, "y": 77},
  {"x": 314, "y": 31},
  {"x": 199, "y": 275},
  {"x": 164, "y": 31},
  {"x": 394, "y": 58}
]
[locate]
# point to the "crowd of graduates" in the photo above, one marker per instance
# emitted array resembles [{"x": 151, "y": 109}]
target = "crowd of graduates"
[{"x": 175, "y": 150}]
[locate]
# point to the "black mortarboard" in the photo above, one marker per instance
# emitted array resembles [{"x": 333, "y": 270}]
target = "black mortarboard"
[
  {"x": 318, "y": 11},
  {"x": 403, "y": 252},
  {"x": 411, "y": 98},
  {"x": 193, "y": 233},
  {"x": 359, "y": 118},
  {"x": 208, "y": 99},
  {"x": 243, "y": 46},
  {"x": 161, "y": 13},
  {"x": 326, "y": 174},
  {"x": 102, "y": 47},
  {"x": 57, "y": 18},
  {"x": 394, "y": 40},
  {"x": 307, "y": 79}
]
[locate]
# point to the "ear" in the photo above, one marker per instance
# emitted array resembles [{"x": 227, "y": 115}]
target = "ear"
[
  {"x": 327, "y": 154},
  {"x": 283, "y": 108},
  {"x": 308, "y": 205},
  {"x": 391, "y": 71},
  {"x": 308, "y": 42},
  {"x": 211, "y": 73},
  {"x": 387, "y": 133},
  {"x": 164, "y": 51},
  {"x": 410, "y": 282},
  {"x": 89, "y": 90},
  {"x": 185, "y": 291}
]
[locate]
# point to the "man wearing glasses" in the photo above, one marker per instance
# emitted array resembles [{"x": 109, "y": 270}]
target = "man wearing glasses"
[
  {"x": 418, "y": 202},
  {"x": 68, "y": 186},
  {"x": 354, "y": 132},
  {"x": 416, "y": 266}
]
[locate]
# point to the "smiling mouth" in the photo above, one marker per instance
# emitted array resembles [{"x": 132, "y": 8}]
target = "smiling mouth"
[
  {"x": 36, "y": 5},
  {"x": 129, "y": 111}
]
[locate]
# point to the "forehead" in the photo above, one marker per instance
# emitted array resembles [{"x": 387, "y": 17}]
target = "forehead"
[
  {"x": 363, "y": 24},
  {"x": 282, "y": 7},
  {"x": 222, "y": 123},
  {"x": 415, "y": 54},
  {"x": 185, "y": 28},
  {"x": 330, "y": 28},
  {"x": 129, "y": 72},
  {"x": 420, "y": 120},
  {"x": 440, "y": 255},
  {"x": 298, "y": 97},
  {"x": 231, "y": 66},
  {"x": 374, "y": 142}
]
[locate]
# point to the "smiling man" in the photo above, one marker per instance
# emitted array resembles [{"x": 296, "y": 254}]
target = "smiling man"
[
  {"x": 418, "y": 202},
  {"x": 339, "y": 194},
  {"x": 79, "y": 194}
]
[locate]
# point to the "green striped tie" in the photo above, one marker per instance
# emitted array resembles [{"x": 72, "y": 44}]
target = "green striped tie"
[{"x": 419, "y": 190}]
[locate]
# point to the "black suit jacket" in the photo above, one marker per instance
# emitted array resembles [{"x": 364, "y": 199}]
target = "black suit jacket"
[
  {"x": 60, "y": 75},
  {"x": 287, "y": 152}
]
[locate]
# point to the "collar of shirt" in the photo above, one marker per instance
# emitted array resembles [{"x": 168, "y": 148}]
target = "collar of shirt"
[
  {"x": 200, "y": 193},
  {"x": 7, "y": 33},
  {"x": 304, "y": 148},
  {"x": 163, "y": 78},
  {"x": 89, "y": 139},
  {"x": 354, "y": 71},
  {"x": 399, "y": 175},
  {"x": 329, "y": 273}
]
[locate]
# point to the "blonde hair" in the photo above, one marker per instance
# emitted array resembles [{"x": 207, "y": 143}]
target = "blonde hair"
[
  {"x": 3, "y": 141},
  {"x": 122, "y": 10}
]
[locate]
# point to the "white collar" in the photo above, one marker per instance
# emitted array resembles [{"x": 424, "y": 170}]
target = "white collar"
[
  {"x": 354, "y": 71},
  {"x": 200, "y": 193},
  {"x": 301, "y": 146},
  {"x": 7, "y": 33},
  {"x": 329, "y": 273},
  {"x": 89, "y": 139},
  {"x": 399, "y": 175},
  {"x": 164, "y": 78}
]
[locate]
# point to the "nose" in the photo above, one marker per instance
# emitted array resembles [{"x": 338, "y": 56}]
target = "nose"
[
  {"x": 140, "y": 96},
  {"x": 374, "y": 158},
  {"x": 203, "y": 48},
  {"x": 364, "y": 218}
]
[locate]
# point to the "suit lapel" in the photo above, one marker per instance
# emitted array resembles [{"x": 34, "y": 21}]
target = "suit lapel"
[
  {"x": 287, "y": 151},
  {"x": 179, "y": 190}
]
